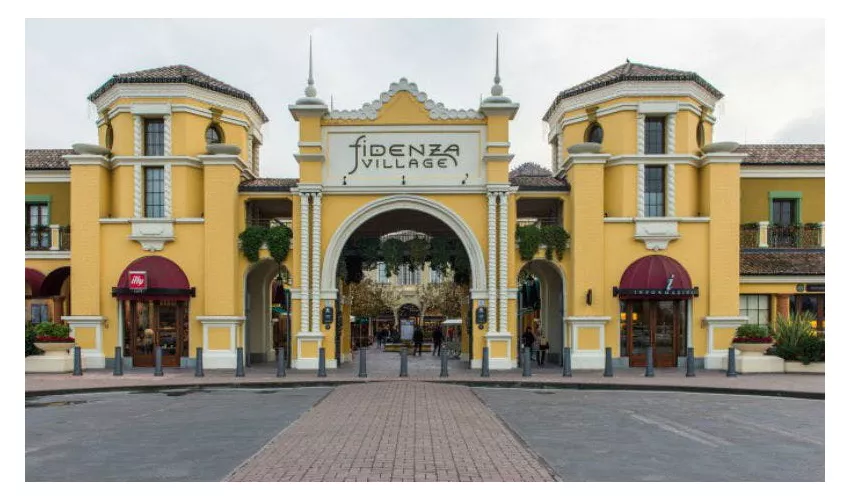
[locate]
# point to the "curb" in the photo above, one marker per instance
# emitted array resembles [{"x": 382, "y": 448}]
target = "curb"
[{"x": 503, "y": 384}]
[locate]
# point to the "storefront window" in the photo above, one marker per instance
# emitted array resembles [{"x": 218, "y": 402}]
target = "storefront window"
[
  {"x": 756, "y": 308},
  {"x": 812, "y": 303}
]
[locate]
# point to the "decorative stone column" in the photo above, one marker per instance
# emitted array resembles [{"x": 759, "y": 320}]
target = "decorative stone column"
[
  {"x": 491, "y": 262},
  {"x": 316, "y": 245},
  {"x": 304, "y": 243},
  {"x": 503, "y": 261}
]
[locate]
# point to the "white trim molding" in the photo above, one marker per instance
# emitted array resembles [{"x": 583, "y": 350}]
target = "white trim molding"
[
  {"x": 587, "y": 358},
  {"x": 47, "y": 254},
  {"x": 674, "y": 158},
  {"x": 670, "y": 195},
  {"x": 630, "y": 220},
  {"x": 302, "y": 363},
  {"x": 152, "y": 234},
  {"x": 220, "y": 358},
  {"x": 41, "y": 176},
  {"x": 715, "y": 359},
  {"x": 805, "y": 279},
  {"x": 656, "y": 234},
  {"x": 506, "y": 363},
  {"x": 91, "y": 358},
  {"x": 783, "y": 172}
]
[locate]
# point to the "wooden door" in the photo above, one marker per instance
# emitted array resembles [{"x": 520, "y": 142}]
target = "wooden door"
[
  {"x": 155, "y": 323},
  {"x": 657, "y": 324},
  {"x": 169, "y": 332}
]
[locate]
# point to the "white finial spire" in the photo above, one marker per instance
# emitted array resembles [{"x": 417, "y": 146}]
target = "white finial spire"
[
  {"x": 310, "y": 91},
  {"x": 496, "y": 90}
]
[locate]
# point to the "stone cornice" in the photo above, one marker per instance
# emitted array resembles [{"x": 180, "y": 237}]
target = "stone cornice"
[
  {"x": 676, "y": 158},
  {"x": 585, "y": 159},
  {"x": 488, "y": 157},
  {"x": 711, "y": 158},
  {"x": 41, "y": 176},
  {"x": 299, "y": 110},
  {"x": 309, "y": 157},
  {"x": 119, "y": 161},
  {"x": 223, "y": 160},
  {"x": 87, "y": 160},
  {"x": 499, "y": 109}
]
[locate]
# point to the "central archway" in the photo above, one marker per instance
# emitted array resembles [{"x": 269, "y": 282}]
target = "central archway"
[{"x": 405, "y": 202}]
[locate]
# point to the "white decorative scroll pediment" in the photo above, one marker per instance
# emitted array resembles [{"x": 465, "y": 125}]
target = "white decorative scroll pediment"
[{"x": 436, "y": 110}]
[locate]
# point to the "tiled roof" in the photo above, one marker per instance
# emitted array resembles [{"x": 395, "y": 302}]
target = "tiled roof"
[
  {"x": 775, "y": 262},
  {"x": 46, "y": 159},
  {"x": 268, "y": 184},
  {"x": 532, "y": 177},
  {"x": 783, "y": 154},
  {"x": 632, "y": 72},
  {"x": 178, "y": 74}
]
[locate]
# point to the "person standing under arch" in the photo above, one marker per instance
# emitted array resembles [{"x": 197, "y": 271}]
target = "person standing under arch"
[
  {"x": 437, "y": 338},
  {"x": 542, "y": 347}
]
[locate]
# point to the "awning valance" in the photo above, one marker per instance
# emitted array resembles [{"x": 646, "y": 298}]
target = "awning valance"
[
  {"x": 655, "y": 277},
  {"x": 163, "y": 280}
]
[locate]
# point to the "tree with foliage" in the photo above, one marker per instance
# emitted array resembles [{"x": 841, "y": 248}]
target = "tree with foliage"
[
  {"x": 446, "y": 297},
  {"x": 370, "y": 299}
]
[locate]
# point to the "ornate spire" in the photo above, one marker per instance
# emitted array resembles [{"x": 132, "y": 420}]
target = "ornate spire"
[
  {"x": 310, "y": 91},
  {"x": 496, "y": 89}
]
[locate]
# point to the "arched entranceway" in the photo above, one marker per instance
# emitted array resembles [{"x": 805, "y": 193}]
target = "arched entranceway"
[
  {"x": 267, "y": 304},
  {"x": 541, "y": 300},
  {"x": 655, "y": 293},
  {"x": 154, "y": 294}
]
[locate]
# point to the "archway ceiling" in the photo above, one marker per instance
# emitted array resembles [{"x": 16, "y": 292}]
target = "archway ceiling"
[
  {"x": 399, "y": 220},
  {"x": 273, "y": 208}
]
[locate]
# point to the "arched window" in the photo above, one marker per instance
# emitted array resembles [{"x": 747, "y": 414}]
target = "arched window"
[
  {"x": 214, "y": 135},
  {"x": 594, "y": 133},
  {"x": 109, "y": 138},
  {"x": 700, "y": 135}
]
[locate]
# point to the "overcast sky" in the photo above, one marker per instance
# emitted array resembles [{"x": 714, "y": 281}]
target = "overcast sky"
[{"x": 771, "y": 71}]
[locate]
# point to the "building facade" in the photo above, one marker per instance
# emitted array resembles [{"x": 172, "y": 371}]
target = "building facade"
[{"x": 673, "y": 240}]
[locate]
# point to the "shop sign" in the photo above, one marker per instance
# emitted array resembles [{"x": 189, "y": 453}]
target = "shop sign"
[
  {"x": 657, "y": 292},
  {"x": 138, "y": 281},
  {"x": 819, "y": 287},
  {"x": 404, "y": 158}
]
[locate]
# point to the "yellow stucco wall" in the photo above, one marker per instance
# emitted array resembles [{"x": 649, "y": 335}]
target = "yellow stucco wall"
[
  {"x": 60, "y": 199},
  {"x": 755, "y": 198}
]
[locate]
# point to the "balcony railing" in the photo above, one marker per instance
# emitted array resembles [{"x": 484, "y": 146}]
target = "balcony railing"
[
  {"x": 537, "y": 221},
  {"x": 47, "y": 238},
  {"x": 269, "y": 222},
  {"x": 766, "y": 235}
]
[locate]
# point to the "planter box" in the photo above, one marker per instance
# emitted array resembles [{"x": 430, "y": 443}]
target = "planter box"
[
  {"x": 756, "y": 348},
  {"x": 59, "y": 360},
  {"x": 758, "y": 363},
  {"x": 798, "y": 367}
]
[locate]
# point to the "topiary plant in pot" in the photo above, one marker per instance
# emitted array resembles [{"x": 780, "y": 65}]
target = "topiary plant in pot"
[{"x": 752, "y": 338}]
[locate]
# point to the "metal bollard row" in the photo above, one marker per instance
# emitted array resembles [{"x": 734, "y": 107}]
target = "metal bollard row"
[
  {"x": 118, "y": 365},
  {"x": 199, "y": 362},
  {"x": 485, "y": 362},
  {"x": 403, "y": 357},
  {"x": 322, "y": 372},
  {"x": 361, "y": 353},
  {"x": 281, "y": 362},
  {"x": 609, "y": 364},
  {"x": 568, "y": 362}
]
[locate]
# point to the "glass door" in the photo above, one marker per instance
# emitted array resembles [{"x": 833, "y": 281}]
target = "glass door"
[
  {"x": 169, "y": 333},
  {"x": 666, "y": 332},
  {"x": 656, "y": 323},
  {"x": 639, "y": 316},
  {"x": 155, "y": 323}
]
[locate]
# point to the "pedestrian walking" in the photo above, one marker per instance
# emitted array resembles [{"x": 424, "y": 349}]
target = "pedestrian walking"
[
  {"x": 417, "y": 341},
  {"x": 437, "y": 337},
  {"x": 528, "y": 339},
  {"x": 542, "y": 348}
]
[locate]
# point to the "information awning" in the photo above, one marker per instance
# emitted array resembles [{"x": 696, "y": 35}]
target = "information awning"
[
  {"x": 34, "y": 279},
  {"x": 655, "y": 277},
  {"x": 164, "y": 280}
]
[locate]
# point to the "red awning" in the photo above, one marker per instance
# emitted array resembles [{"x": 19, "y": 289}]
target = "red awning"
[
  {"x": 165, "y": 281},
  {"x": 34, "y": 279},
  {"x": 53, "y": 282},
  {"x": 655, "y": 276}
]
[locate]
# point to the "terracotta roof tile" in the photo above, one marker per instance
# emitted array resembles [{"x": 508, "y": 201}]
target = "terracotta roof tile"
[
  {"x": 268, "y": 184},
  {"x": 46, "y": 159},
  {"x": 531, "y": 176},
  {"x": 775, "y": 262},
  {"x": 632, "y": 72},
  {"x": 178, "y": 74},
  {"x": 783, "y": 154}
]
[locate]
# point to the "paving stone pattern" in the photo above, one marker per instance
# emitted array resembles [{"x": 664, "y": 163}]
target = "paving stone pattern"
[{"x": 395, "y": 431}]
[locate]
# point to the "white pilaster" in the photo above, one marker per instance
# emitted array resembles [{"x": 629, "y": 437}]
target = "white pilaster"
[
  {"x": 670, "y": 173},
  {"x": 167, "y": 181},
  {"x": 137, "y": 136},
  {"x": 91, "y": 357},
  {"x": 220, "y": 358},
  {"x": 716, "y": 357},
  {"x": 166, "y": 125},
  {"x": 641, "y": 175},
  {"x": 503, "y": 262},
  {"x": 137, "y": 189},
  {"x": 304, "y": 243},
  {"x": 491, "y": 262},
  {"x": 316, "y": 246},
  {"x": 641, "y": 122},
  {"x": 671, "y": 133}
]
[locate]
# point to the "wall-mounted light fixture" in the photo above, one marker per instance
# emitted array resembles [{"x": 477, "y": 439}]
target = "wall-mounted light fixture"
[{"x": 589, "y": 297}]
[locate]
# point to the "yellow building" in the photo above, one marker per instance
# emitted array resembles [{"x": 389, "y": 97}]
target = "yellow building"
[{"x": 672, "y": 240}]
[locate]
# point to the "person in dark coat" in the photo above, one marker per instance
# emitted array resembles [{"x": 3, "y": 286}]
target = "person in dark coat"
[
  {"x": 527, "y": 339},
  {"x": 437, "y": 336},
  {"x": 417, "y": 341}
]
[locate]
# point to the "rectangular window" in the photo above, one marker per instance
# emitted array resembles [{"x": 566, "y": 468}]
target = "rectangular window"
[
  {"x": 408, "y": 277},
  {"x": 784, "y": 211},
  {"x": 653, "y": 192},
  {"x": 436, "y": 276},
  {"x": 39, "y": 313},
  {"x": 653, "y": 138},
  {"x": 382, "y": 273},
  {"x": 154, "y": 192},
  {"x": 154, "y": 137},
  {"x": 37, "y": 225},
  {"x": 756, "y": 308}
]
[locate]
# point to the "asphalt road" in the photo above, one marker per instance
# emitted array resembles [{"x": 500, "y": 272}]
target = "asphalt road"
[
  {"x": 177, "y": 435},
  {"x": 662, "y": 436}
]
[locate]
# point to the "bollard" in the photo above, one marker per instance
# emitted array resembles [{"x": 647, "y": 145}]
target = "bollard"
[
  {"x": 609, "y": 365},
  {"x": 281, "y": 362},
  {"x": 485, "y": 362},
  {"x": 199, "y": 362},
  {"x": 240, "y": 362},
  {"x": 403, "y": 372},
  {"x": 568, "y": 362},
  {"x": 362, "y": 355},
  {"x": 689, "y": 363},
  {"x": 526, "y": 362},
  {"x": 650, "y": 361},
  {"x": 118, "y": 366},
  {"x": 157, "y": 362},
  {"x": 78, "y": 361},
  {"x": 322, "y": 372},
  {"x": 730, "y": 364},
  {"x": 444, "y": 363}
]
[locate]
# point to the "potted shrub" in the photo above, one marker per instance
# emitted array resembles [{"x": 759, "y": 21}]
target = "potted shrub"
[
  {"x": 53, "y": 337},
  {"x": 752, "y": 339},
  {"x": 797, "y": 342},
  {"x": 30, "y": 348}
]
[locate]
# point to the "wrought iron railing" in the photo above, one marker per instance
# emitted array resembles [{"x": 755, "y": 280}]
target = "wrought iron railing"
[
  {"x": 41, "y": 238},
  {"x": 537, "y": 221},
  {"x": 749, "y": 235},
  {"x": 763, "y": 235},
  {"x": 269, "y": 222}
]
